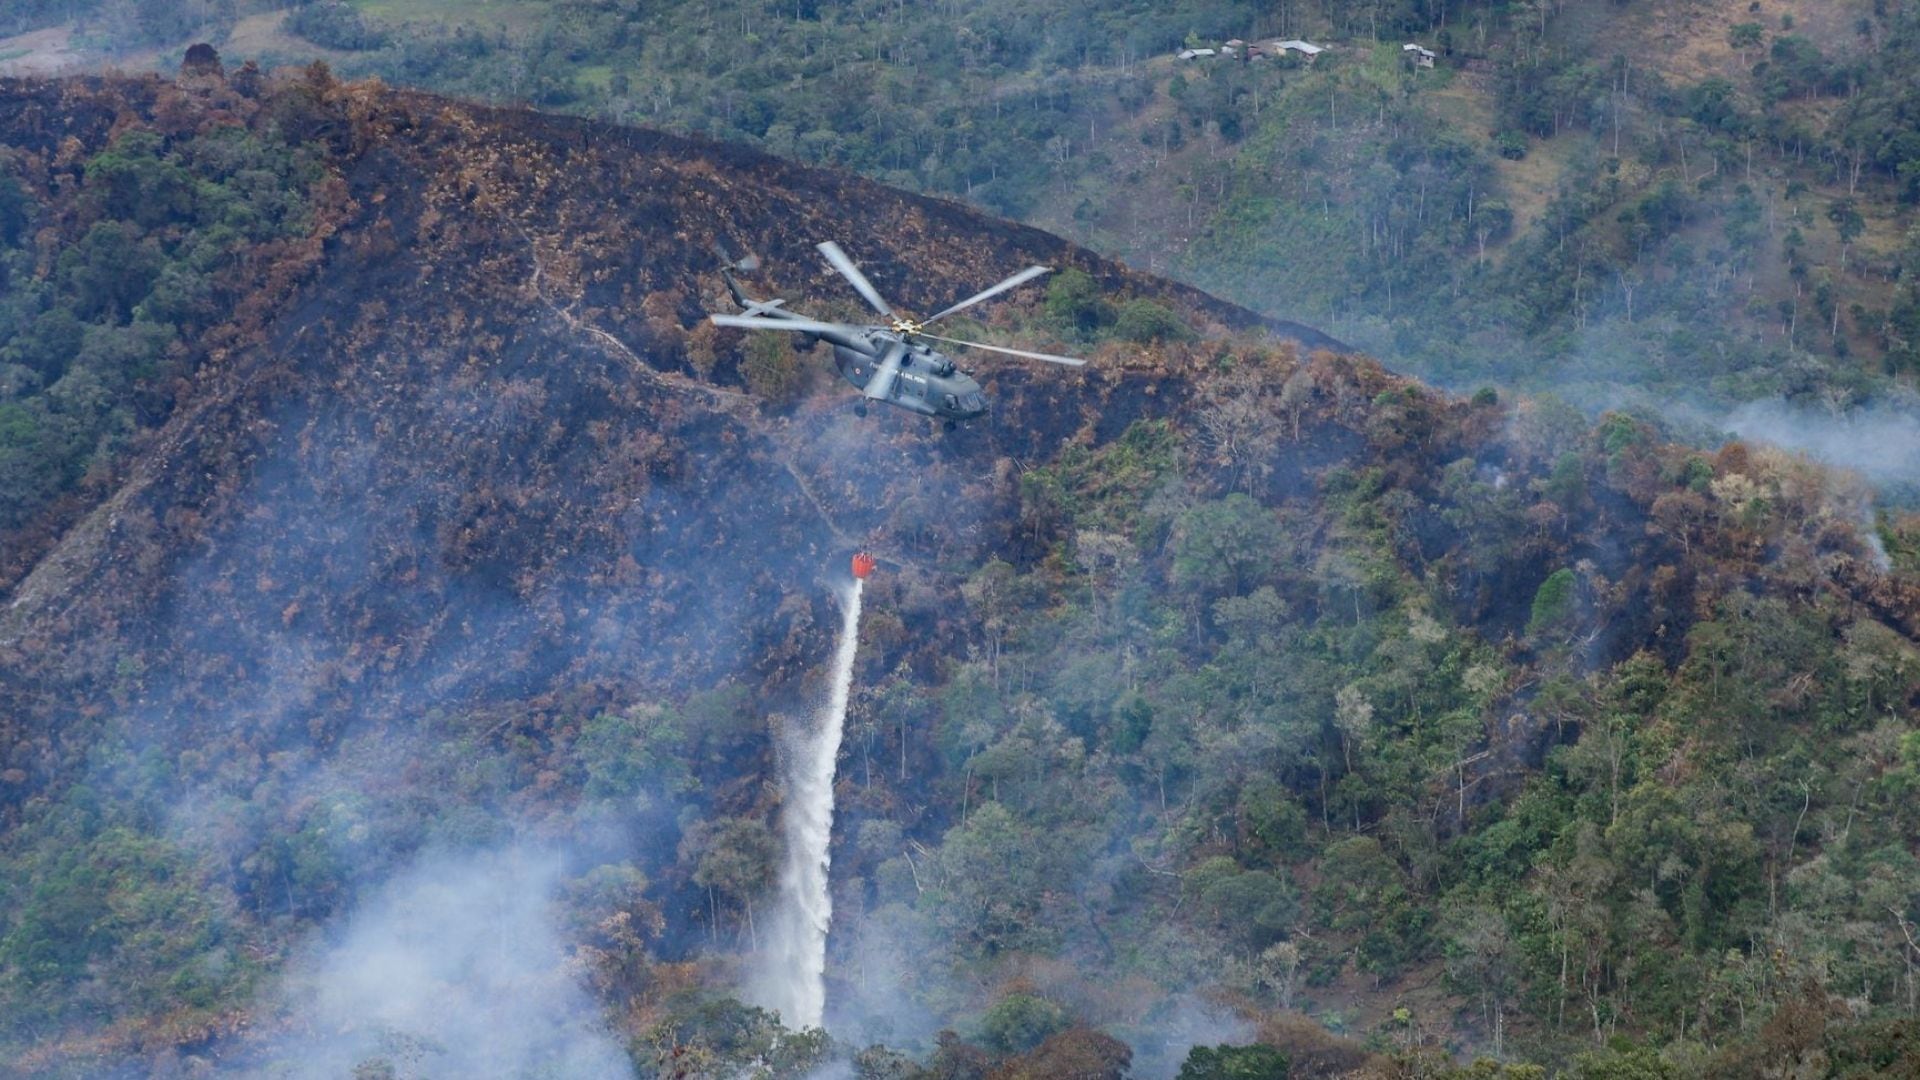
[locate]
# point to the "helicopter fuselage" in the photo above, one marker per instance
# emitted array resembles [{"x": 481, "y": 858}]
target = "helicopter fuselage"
[
  {"x": 886, "y": 363},
  {"x": 929, "y": 383}
]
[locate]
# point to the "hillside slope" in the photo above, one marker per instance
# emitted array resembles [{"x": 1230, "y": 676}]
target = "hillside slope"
[
  {"x": 503, "y": 274},
  {"x": 1222, "y": 678},
  {"x": 1684, "y": 206}
]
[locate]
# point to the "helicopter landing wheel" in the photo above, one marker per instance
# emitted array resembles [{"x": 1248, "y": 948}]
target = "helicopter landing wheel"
[
  {"x": 949, "y": 426},
  {"x": 860, "y": 410}
]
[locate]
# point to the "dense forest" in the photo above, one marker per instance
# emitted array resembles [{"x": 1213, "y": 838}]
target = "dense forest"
[
  {"x": 114, "y": 285},
  {"x": 1230, "y": 708}
]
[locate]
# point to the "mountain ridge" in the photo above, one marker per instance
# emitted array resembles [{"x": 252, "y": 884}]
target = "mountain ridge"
[
  {"x": 1219, "y": 645},
  {"x": 385, "y": 198}
]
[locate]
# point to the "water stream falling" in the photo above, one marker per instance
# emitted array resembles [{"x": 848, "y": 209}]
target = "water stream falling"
[{"x": 793, "y": 980}]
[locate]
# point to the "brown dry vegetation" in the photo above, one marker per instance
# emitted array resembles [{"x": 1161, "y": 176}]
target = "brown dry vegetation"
[
  {"x": 465, "y": 465},
  {"x": 478, "y": 393}
]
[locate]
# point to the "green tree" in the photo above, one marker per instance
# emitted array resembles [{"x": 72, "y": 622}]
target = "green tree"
[
  {"x": 1075, "y": 302},
  {"x": 1622, "y": 1063},
  {"x": 126, "y": 906},
  {"x": 1144, "y": 321},
  {"x": 15, "y": 212},
  {"x": 1554, "y": 604},
  {"x": 733, "y": 857},
  {"x": 136, "y": 180},
  {"x": 1020, "y": 1022},
  {"x": 1251, "y": 908},
  {"x": 1847, "y": 224},
  {"x": 1254, "y": 1062},
  {"x": 1358, "y": 881},
  {"x": 1224, "y": 546},
  {"x": 633, "y": 755},
  {"x": 111, "y": 269},
  {"x": 47, "y": 344}
]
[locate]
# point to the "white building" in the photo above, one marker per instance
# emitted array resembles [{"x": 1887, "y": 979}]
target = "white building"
[{"x": 1305, "y": 48}]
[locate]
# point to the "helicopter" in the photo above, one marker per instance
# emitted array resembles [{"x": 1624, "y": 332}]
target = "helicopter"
[{"x": 888, "y": 362}]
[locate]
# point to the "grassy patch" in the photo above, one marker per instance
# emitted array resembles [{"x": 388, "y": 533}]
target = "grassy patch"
[
  {"x": 1530, "y": 183},
  {"x": 474, "y": 14},
  {"x": 597, "y": 76},
  {"x": 265, "y": 37}
]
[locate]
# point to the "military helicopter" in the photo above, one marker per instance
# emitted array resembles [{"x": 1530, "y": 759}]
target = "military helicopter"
[{"x": 888, "y": 362}]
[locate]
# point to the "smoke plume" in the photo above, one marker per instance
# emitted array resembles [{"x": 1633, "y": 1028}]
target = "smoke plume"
[
  {"x": 1881, "y": 441},
  {"x": 453, "y": 968}
]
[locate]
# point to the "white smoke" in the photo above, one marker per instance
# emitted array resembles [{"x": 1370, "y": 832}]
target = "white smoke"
[
  {"x": 1881, "y": 442},
  {"x": 1160, "y": 1046},
  {"x": 792, "y": 980},
  {"x": 453, "y": 968}
]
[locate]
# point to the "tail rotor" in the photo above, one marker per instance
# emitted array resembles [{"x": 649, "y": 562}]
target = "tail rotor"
[{"x": 731, "y": 265}]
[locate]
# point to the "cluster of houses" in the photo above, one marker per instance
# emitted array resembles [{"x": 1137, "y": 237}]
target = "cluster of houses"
[
  {"x": 1242, "y": 50},
  {"x": 1260, "y": 50}
]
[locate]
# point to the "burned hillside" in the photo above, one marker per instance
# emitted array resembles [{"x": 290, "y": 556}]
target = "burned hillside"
[{"x": 441, "y": 516}]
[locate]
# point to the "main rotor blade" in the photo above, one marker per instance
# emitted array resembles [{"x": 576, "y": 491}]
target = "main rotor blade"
[
  {"x": 881, "y": 384},
  {"x": 1020, "y": 278},
  {"x": 852, "y": 273},
  {"x": 804, "y": 326},
  {"x": 1049, "y": 358}
]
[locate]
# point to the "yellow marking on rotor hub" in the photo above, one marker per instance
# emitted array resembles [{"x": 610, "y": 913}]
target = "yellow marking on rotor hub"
[{"x": 903, "y": 325}]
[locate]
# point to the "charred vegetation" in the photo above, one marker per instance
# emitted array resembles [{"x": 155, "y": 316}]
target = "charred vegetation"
[{"x": 454, "y": 504}]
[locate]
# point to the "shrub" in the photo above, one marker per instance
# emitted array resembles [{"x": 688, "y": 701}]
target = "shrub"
[
  {"x": 1145, "y": 321},
  {"x": 771, "y": 370},
  {"x": 1552, "y": 603},
  {"x": 1074, "y": 301}
]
